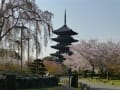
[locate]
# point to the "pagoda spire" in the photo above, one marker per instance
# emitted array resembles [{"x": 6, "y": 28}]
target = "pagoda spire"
[{"x": 65, "y": 18}]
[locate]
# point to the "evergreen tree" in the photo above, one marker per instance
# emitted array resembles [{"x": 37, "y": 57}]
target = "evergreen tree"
[{"x": 37, "y": 67}]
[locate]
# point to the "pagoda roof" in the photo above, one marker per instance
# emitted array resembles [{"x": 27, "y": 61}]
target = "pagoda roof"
[
  {"x": 64, "y": 50},
  {"x": 64, "y": 39},
  {"x": 64, "y": 30},
  {"x": 59, "y": 46},
  {"x": 56, "y": 54}
]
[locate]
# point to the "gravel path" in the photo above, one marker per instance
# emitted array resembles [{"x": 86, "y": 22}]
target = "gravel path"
[{"x": 99, "y": 86}]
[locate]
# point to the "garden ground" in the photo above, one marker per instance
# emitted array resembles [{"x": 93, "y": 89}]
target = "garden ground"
[{"x": 101, "y": 84}]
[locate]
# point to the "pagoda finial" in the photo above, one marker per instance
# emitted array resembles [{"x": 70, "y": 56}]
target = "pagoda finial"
[{"x": 65, "y": 18}]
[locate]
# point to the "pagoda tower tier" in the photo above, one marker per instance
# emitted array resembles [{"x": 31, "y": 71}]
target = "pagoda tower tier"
[
  {"x": 62, "y": 51},
  {"x": 64, "y": 39},
  {"x": 64, "y": 30},
  {"x": 59, "y": 57},
  {"x": 60, "y": 46},
  {"x": 59, "y": 54}
]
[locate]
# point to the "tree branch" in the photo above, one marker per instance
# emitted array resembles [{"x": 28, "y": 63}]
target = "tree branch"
[{"x": 8, "y": 30}]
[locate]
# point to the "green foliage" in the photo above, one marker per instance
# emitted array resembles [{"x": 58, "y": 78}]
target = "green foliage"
[
  {"x": 37, "y": 67},
  {"x": 84, "y": 73}
]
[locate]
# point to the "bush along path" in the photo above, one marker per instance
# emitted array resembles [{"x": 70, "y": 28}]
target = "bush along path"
[{"x": 98, "y": 86}]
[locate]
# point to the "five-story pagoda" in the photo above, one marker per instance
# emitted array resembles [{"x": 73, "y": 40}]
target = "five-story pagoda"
[{"x": 64, "y": 38}]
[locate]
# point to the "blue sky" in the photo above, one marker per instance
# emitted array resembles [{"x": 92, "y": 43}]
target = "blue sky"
[{"x": 92, "y": 19}]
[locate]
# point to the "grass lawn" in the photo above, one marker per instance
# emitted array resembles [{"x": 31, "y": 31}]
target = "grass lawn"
[
  {"x": 110, "y": 82},
  {"x": 115, "y": 82}
]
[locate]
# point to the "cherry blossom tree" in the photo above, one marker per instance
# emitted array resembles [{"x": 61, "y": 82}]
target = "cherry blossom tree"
[
  {"x": 88, "y": 50},
  {"x": 101, "y": 55},
  {"x": 109, "y": 57}
]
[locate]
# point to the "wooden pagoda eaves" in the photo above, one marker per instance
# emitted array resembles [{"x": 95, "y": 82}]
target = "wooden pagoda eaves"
[{"x": 64, "y": 30}]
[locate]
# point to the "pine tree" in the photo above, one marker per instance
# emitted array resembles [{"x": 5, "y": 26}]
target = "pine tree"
[{"x": 37, "y": 67}]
